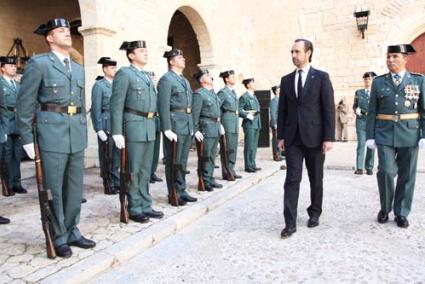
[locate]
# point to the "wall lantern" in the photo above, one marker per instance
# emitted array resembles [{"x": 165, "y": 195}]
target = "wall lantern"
[{"x": 362, "y": 18}]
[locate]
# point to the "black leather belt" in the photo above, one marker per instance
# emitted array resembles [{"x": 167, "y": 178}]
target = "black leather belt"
[
  {"x": 70, "y": 109},
  {"x": 11, "y": 108},
  {"x": 215, "y": 119},
  {"x": 140, "y": 113},
  {"x": 184, "y": 110}
]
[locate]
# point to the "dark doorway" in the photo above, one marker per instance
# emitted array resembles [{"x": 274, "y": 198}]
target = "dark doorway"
[{"x": 264, "y": 99}]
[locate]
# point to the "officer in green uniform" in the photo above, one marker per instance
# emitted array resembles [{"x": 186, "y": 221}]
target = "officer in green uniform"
[
  {"x": 133, "y": 107},
  {"x": 360, "y": 107},
  {"x": 274, "y": 103},
  {"x": 154, "y": 178},
  {"x": 175, "y": 113},
  {"x": 249, "y": 110},
  {"x": 206, "y": 125},
  {"x": 229, "y": 106},
  {"x": 53, "y": 88},
  {"x": 3, "y": 138},
  {"x": 13, "y": 147},
  {"x": 396, "y": 126},
  {"x": 101, "y": 118}
]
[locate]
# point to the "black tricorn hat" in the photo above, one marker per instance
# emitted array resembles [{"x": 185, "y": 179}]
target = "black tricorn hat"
[
  {"x": 200, "y": 73},
  {"x": 173, "y": 53},
  {"x": 8, "y": 60},
  {"x": 227, "y": 73},
  {"x": 274, "y": 88},
  {"x": 99, "y": 78},
  {"x": 247, "y": 81},
  {"x": 44, "y": 29},
  {"x": 107, "y": 61},
  {"x": 128, "y": 45},
  {"x": 369, "y": 74},
  {"x": 401, "y": 48}
]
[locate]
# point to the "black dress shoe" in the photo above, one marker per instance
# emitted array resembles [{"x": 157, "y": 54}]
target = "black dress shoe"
[
  {"x": 140, "y": 218},
  {"x": 11, "y": 191},
  {"x": 358, "y": 172},
  {"x": 369, "y": 172},
  {"x": 216, "y": 185},
  {"x": 155, "y": 178},
  {"x": 401, "y": 221},
  {"x": 283, "y": 167},
  {"x": 216, "y": 167},
  {"x": 382, "y": 217},
  {"x": 209, "y": 188},
  {"x": 151, "y": 180},
  {"x": 250, "y": 170},
  {"x": 237, "y": 176},
  {"x": 83, "y": 243},
  {"x": 189, "y": 198},
  {"x": 287, "y": 232},
  {"x": 313, "y": 222},
  {"x": 83, "y": 200},
  {"x": 115, "y": 190},
  {"x": 4, "y": 221},
  {"x": 187, "y": 172},
  {"x": 63, "y": 251},
  {"x": 20, "y": 190},
  {"x": 257, "y": 169},
  {"x": 154, "y": 214},
  {"x": 180, "y": 202}
]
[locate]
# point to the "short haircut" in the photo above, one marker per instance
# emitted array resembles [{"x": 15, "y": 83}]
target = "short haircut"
[
  {"x": 308, "y": 45},
  {"x": 128, "y": 51}
]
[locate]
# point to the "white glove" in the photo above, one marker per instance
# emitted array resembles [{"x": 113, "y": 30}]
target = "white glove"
[
  {"x": 421, "y": 143},
  {"x": 119, "y": 141},
  {"x": 199, "y": 136},
  {"x": 29, "y": 149},
  {"x": 5, "y": 137},
  {"x": 370, "y": 143},
  {"x": 102, "y": 135},
  {"x": 275, "y": 126},
  {"x": 250, "y": 116},
  {"x": 222, "y": 131},
  {"x": 358, "y": 111},
  {"x": 170, "y": 135}
]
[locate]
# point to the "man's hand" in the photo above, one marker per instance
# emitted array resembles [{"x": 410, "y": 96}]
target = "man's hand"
[
  {"x": 327, "y": 146},
  {"x": 119, "y": 141},
  {"x": 421, "y": 143},
  {"x": 222, "y": 131},
  {"x": 199, "y": 136},
  {"x": 281, "y": 144},
  {"x": 102, "y": 135},
  {"x": 29, "y": 149},
  {"x": 358, "y": 111},
  {"x": 250, "y": 116},
  {"x": 170, "y": 135},
  {"x": 370, "y": 143}
]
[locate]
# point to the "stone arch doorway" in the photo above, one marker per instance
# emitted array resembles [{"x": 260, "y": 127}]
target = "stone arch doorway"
[{"x": 416, "y": 62}]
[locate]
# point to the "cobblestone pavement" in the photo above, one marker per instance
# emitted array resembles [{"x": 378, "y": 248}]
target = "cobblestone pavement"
[{"x": 240, "y": 242}]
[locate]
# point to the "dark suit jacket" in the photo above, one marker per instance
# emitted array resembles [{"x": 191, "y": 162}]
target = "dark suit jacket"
[{"x": 313, "y": 114}]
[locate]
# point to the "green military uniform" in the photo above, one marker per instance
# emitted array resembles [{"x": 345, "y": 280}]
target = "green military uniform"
[
  {"x": 274, "y": 103},
  {"x": 133, "y": 106},
  {"x": 206, "y": 119},
  {"x": 53, "y": 89},
  {"x": 154, "y": 177},
  {"x": 361, "y": 101},
  {"x": 249, "y": 104},
  {"x": 396, "y": 136},
  {"x": 175, "y": 113},
  {"x": 3, "y": 131},
  {"x": 101, "y": 118}
]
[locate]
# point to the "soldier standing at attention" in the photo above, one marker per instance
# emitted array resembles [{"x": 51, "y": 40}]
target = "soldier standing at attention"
[
  {"x": 175, "y": 113},
  {"x": 229, "y": 106},
  {"x": 274, "y": 103},
  {"x": 53, "y": 88},
  {"x": 249, "y": 110},
  {"x": 13, "y": 147},
  {"x": 133, "y": 107},
  {"x": 101, "y": 118},
  {"x": 206, "y": 125},
  {"x": 396, "y": 127},
  {"x": 360, "y": 107},
  {"x": 3, "y": 138}
]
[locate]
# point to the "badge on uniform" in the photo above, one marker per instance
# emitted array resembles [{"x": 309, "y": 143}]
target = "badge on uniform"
[{"x": 412, "y": 94}]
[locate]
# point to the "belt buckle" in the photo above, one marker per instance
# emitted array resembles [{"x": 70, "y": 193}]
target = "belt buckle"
[
  {"x": 150, "y": 114},
  {"x": 396, "y": 117},
  {"x": 188, "y": 110},
  {"x": 72, "y": 110}
]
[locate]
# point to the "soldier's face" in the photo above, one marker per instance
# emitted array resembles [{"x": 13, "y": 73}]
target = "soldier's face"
[
  {"x": 178, "y": 61},
  {"x": 207, "y": 79},
  {"x": 367, "y": 82},
  {"x": 60, "y": 37},
  {"x": 299, "y": 55},
  {"x": 140, "y": 56},
  {"x": 396, "y": 62},
  {"x": 9, "y": 70},
  {"x": 277, "y": 91},
  {"x": 110, "y": 71},
  {"x": 231, "y": 80},
  {"x": 251, "y": 85}
]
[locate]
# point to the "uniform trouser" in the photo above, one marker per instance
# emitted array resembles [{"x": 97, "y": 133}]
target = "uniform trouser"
[
  {"x": 63, "y": 175},
  {"x": 114, "y": 163},
  {"x": 156, "y": 152},
  {"x": 208, "y": 158},
  {"x": 139, "y": 155},
  {"x": 183, "y": 145},
  {"x": 361, "y": 145},
  {"x": 12, "y": 158},
  {"x": 400, "y": 162},
  {"x": 232, "y": 149},
  {"x": 250, "y": 147}
]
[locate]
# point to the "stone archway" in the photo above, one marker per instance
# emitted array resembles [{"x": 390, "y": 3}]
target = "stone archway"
[{"x": 416, "y": 62}]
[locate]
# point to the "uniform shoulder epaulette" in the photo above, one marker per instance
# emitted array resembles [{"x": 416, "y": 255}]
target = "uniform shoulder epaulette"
[
  {"x": 382, "y": 75},
  {"x": 417, "y": 74}
]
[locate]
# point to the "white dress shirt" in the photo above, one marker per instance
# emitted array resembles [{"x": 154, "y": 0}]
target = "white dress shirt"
[
  {"x": 303, "y": 77},
  {"x": 62, "y": 58}
]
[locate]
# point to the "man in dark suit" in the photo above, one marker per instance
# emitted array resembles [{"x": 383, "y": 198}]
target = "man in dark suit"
[{"x": 306, "y": 130}]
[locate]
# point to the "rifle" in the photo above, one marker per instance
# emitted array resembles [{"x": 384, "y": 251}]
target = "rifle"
[
  {"x": 225, "y": 155},
  {"x": 44, "y": 198},
  {"x": 125, "y": 178},
  {"x": 200, "y": 150},
  {"x": 174, "y": 168},
  {"x": 106, "y": 174},
  {"x": 276, "y": 155},
  {"x": 3, "y": 175}
]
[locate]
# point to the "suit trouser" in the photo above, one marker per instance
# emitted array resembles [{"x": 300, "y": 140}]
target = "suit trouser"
[
  {"x": 314, "y": 159},
  {"x": 209, "y": 154},
  {"x": 63, "y": 175},
  {"x": 12, "y": 158},
  {"x": 114, "y": 163},
  {"x": 183, "y": 146},
  {"x": 156, "y": 152},
  {"x": 232, "y": 148},
  {"x": 361, "y": 145},
  {"x": 400, "y": 162},
  {"x": 139, "y": 155},
  {"x": 250, "y": 147}
]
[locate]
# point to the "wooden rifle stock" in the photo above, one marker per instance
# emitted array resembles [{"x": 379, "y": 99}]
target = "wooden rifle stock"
[
  {"x": 174, "y": 168},
  {"x": 106, "y": 174},
  {"x": 225, "y": 155},
  {"x": 124, "y": 179},
  {"x": 200, "y": 151}
]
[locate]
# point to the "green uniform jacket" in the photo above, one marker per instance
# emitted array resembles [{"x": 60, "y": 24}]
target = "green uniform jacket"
[
  {"x": 100, "y": 105},
  {"x": 10, "y": 97},
  {"x": 248, "y": 102},
  {"x": 273, "y": 111},
  {"x": 229, "y": 105},
  {"x": 3, "y": 119},
  {"x": 387, "y": 98},
  {"x": 174, "y": 92},
  {"x": 206, "y": 112},
  {"x": 42, "y": 83},
  {"x": 133, "y": 89}
]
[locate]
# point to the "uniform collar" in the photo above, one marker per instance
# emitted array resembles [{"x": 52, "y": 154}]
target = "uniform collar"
[
  {"x": 61, "y": 57},
  {"x": 137, "y": 68},
  {"x": 401, "y": 74}
]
